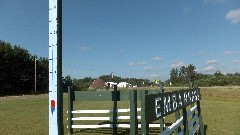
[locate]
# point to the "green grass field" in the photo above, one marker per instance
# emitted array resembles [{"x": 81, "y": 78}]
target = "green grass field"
[{"x": 29, "y": 116}]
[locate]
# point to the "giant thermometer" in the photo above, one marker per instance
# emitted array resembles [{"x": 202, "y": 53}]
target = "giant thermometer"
[{"x": 55, "y": 68}]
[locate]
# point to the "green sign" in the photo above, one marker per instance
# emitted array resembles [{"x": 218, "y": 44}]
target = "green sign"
[{"x": 163, "y": 104}]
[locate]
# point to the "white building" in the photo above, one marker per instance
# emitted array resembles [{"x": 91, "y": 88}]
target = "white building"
[
  {"x": 119, "y": 85},
  {"x": 111, "y": 84},
  {"x": 123, "y": 85}
]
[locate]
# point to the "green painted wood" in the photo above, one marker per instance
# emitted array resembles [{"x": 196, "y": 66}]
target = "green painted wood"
[
  {"x": 165, "y": 103},
  {"x": 177, "y": 116},
  {"x": 193, "y": 114},
  {"x": 115, "y": 94},
  {"x": 144, "y": 123},
  {"x": 106, "y": 95},
  {"x": 185, "y": 121},
  {"x": 149, "y": 92},
  {"x": 161, "y": 90},
  {"x": 70, "y": 109},
  {"x": 123, "y": 95},
  {"x": 148, "y": 105},
  {"x": 190, "y": 85},
  {"x": 200, "y": 118},
  {"x": 150, "y": 116},
  {"x": 93, "y": 95},
  {"x": 133, "y": 112},
  {"x": 162, "y": 128}
]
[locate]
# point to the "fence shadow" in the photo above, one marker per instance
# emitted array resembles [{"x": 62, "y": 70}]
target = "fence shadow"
[
  {"x": 205, "y": 129},
  {"x": 109, "y": 131},
  {"x": 120, "y": 131},
  {"x": 104, "y": 131},
  {"x": 123, "y": 131}
]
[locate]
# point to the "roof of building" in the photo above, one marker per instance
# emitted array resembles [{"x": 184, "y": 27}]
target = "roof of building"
[{"x": 99, "y": 83}]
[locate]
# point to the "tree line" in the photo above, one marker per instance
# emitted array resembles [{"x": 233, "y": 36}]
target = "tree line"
[
  {"x": 185, "y": 74},
  {"x": 17, "y": 71},
  {"x": 83, "y": 84}
]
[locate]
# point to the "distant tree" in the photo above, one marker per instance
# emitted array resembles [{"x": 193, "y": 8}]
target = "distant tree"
[
  {"x": 190, "y": 72},
  {"x": 17, "y": 70},
  {"x": 182, "y": 72},
  {"x": 182, "y": 76},
  {"x": 174, "y": 75},
  {"x": 42, "y": 74},
  {"x": 218, "y": 74},
  {"x": 67, "y": 81},
  {"x": 82, "y": 84},
  {"x": 107, "y": 78}
]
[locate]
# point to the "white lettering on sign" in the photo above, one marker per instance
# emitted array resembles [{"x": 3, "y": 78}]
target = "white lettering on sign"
[
  {"x": 157, "y": 106},
  {"x": 180, "y": 100},
  {"x": 172, "y": 102},
  {"x": 175, "y": 104},
  {"x": 185, "y": 98},
  {"x": 189, "y": 97},
  {"x": 167, "y": 106}
]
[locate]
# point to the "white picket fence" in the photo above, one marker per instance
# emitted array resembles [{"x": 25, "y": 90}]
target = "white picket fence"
[{"x": 105, "y": 119}]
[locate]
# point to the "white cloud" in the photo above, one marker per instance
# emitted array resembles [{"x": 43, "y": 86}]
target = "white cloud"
[
  {"x": 223, "y": 65},
  {"x": 141, "y": 63},
  {"x": 148, "y": 68},
  {"x": 212, "y": 62},
  {"x": 157, "y": 58},
  {"x": 137, "y": 64},
  {"x": 214, "y": 1},
  {"x": 84, "y": 48},
  {"x": 236, "y": 61},
  {"x": 233, "y": 16},
  {"x": 154, "y": 76},
  {"x": 225, "y": 73},
  {"x": 131, "y": 64},
  {"x": 178, "y": 64},
  {"x": 229, "y": 52},
  {"x": 200, "y": 53},
  {"x": 208, "y": 69}
]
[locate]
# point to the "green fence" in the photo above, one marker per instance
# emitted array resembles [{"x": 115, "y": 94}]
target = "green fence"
[{"x": 155, "y": 105}]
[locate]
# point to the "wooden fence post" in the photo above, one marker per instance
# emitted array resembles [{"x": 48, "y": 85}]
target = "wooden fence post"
[
  {"x": 133, "y": 112},
  {"x": 190, "y": 85},
  {"x": 161, "y": 90},
  {"x": 185, "y": 121},
  {"x": 144, "y": 123},
  {"x": 70, "y": 109},
  {"x": 177, "y": 116},
  {"x": 193, "y": 114},
  {"x": 200, "y": 118},
  {"x": 115, "y": 110}
]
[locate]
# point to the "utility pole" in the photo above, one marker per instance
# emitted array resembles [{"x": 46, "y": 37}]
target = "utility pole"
[
  {"x": 55, "y": 68},
  {"x": 35, "y": 74}
]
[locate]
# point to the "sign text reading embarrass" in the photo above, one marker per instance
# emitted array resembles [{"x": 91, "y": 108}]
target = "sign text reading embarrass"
[{"x": 172, "y": 101}]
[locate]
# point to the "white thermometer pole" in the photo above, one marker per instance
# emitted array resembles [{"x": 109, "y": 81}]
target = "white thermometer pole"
[{"x": 55, "y": 68}]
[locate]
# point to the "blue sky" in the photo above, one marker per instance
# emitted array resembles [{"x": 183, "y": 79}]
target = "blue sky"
[{"x": 142, "y": 39}]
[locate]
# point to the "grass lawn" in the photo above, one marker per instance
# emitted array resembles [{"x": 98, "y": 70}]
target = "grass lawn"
[{"x": 29, "y": 116}]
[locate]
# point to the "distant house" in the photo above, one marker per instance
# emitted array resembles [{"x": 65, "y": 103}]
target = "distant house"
[
  {"x": 123, "y": 85},
  {"x": 97, "y": 84},
  {"x": 111, "y": 84},
  {"x": 119, "y": 85}
]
